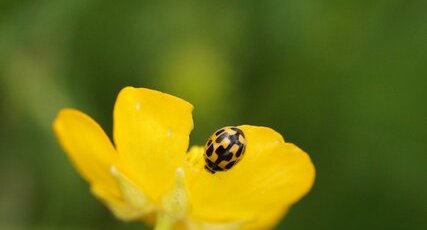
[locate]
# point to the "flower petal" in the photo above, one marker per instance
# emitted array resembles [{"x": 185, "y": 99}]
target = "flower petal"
[
  {"x": 151, "y": 132},
  {"x": 259, "y": 189},
  {"x": 87, "y": 146}
]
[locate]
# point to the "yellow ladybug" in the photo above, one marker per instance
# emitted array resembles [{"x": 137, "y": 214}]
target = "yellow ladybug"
[{"x": 224, "y": 149}]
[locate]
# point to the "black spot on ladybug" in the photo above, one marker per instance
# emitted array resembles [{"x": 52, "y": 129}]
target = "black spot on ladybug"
[
  {"x": 239, "y": 151},
  {"x": 220, "y": 150},
  {"x": 233, "y": 138},
  {"x": 223, "y": 154},
  {"x": 219, "y": 132},
  {"x": 238, "y": 131},
  {"x": 221, "y": 137},
  {"x": 209, "y": 151},
  {"x": 212, "y": 167},
  {"x": 231, "y": 164}
]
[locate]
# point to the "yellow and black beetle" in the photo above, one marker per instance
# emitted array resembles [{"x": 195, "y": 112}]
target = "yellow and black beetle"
[{"x": 224, "y": 149}]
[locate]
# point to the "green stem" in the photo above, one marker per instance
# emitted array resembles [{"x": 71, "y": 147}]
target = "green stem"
[{"x": 164, "y": 222}]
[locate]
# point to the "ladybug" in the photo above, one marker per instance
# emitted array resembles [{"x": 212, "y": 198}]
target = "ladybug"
[{"x": 224, "y": 149}]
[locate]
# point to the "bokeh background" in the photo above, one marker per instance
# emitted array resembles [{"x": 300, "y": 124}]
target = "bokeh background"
[{"x": 345, "y": 80}]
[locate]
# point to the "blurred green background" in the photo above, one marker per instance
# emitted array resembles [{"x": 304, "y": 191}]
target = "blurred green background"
[{"x": 345, "y": 80}]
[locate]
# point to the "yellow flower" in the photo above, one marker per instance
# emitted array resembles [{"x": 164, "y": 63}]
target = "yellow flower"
[{"x": 149, "y": 175}]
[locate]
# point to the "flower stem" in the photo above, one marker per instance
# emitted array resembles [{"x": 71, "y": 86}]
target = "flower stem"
[{"x": 164, "y": 222}]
